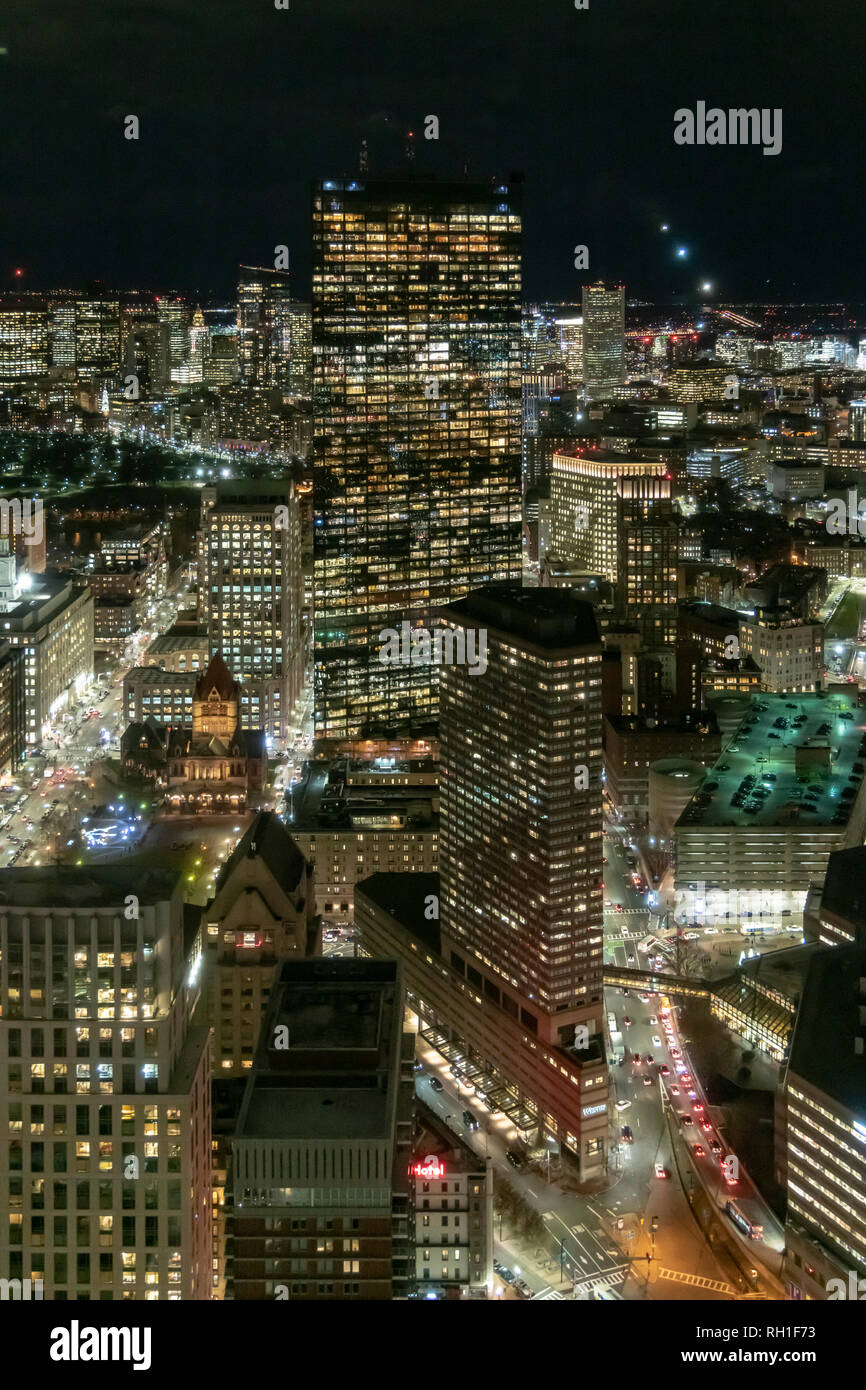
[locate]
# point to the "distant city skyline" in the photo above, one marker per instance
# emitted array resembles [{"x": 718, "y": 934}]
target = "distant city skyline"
[{"x": 221, "y": 171}]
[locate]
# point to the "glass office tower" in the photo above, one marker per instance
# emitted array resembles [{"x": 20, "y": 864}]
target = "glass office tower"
[{"x": 416, "y": 390}]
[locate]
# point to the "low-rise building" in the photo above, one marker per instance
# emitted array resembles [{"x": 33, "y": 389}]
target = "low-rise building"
[
  {"x": 786, "y": 791},
  {"x": 453, "y": 1211},
  {"x": 354, "y": 819},
  {"x": 632, "y": 745}
]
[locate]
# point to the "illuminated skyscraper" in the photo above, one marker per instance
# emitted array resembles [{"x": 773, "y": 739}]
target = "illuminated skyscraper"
[
  {"x": 586, "y": 487},
  {"x": 264, "y": 326},
  {"x": 23, "y": 339},
  {"x": 250, "y": 594},
  {"x": 416, "y": 388},
  {"x": 648, "y": 535},
  {"x": 521, "y": 790},
  {"x": 603, "y": 339},
  {"x": 97, "y": 335}
]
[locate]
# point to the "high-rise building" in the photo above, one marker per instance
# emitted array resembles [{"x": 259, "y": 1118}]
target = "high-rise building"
[
  {"x": 23, "y": 339},
  {"x": 264, "y": 326},
  {"x": 320, "y": 1158},
  {"x": 571, "y": 346},
  {"x": 588, "y": 487},
  {"x": 821, "y": 1128},
  {"x": 453, "y": 1211},
  {"x": 97, "y": 336},
  {"x": 62, "y": 333},
  {"x": 174, "y": 321},
  {"x": 416, "y": 366},
  {"x": 250, "y": 594},
  {"x": 104, "y": 1086},
  {"x": 290, "y": 357},
  {"x": 503, "y": 952},
  {"x": 648, "y": 556},
  {"x": 521, "y": 781},
  {"x": 603, "y": 309}
]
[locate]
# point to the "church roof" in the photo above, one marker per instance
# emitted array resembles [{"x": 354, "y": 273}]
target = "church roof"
[{"x": 217, "y": 677}]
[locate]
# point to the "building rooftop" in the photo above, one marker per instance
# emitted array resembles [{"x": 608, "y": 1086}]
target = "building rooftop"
[
  {"x": 336, "y": 1077},
  {"x": 805, "y": 772},
  {"x": 268, "y": 839},
  {"x": 550, "y": 618},
  {"x": 403, "y": 897},
  {"x": 315, "y": 804},
  {"x": 89, "y": 887},
  {"x": 157, "y": 675}
]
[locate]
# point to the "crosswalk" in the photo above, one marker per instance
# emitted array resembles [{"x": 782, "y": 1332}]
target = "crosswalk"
[
  {"x": 602, "y": 1281},
  {"x": 547, "y": 1295},
  {"x": 698, "y": 1280}
]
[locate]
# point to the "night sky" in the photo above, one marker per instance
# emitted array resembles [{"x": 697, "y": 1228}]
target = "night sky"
[{"x": 241, "y": 105}]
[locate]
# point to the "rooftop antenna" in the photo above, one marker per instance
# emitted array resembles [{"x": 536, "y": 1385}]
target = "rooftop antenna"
[
  {"x": 364, "y": 159},
  {"x": 410, "y": 147}
]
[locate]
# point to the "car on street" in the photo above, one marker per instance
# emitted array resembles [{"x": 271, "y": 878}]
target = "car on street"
[
  {"x": 514, "y": 1158},
  {"x": 626, "y": 1022},
  {"x": 653, "y": 1020},
  {"x": 649, "y": 1058},
  {"x": 661, "y": 1171},
  {"x": 687, "y": 1120},
  {"x": 470, "y": 1120},
  {"x": 657, "y": 1042},
  {"x": 647, "y": 1081},
  {"x": 626, "y": 1134},
  {"x": 436, "y": 1084},
  {"x": 675, "y": 1090},
  {"x": 706, "y": 1125},
  {"x": 623, "y": 1104},
  {"x": 699, "y": 1151},
  {"x": 715, "y": 1146}
]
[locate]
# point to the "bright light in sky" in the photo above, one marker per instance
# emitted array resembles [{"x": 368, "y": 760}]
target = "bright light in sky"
[
  {"x": 664, "y": 227},
  {"x": 681, "y": 251},
  {"x": 706, "y": 287}
]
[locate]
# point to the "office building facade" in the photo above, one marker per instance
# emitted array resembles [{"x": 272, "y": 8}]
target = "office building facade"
[
  {"x": 603, "y": 308},
  {"x": 416, "y": 367},
  {"x": 594, "y": 493},
  {"x": 104, "y": 1086},
  {"x": 250, "y": 594}
]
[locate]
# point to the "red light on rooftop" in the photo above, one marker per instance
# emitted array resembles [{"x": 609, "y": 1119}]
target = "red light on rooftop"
[{"x": 18, "y": 272}]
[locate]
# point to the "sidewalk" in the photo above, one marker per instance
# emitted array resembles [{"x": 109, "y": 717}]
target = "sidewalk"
[{"x": 542, "y": 1272}]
